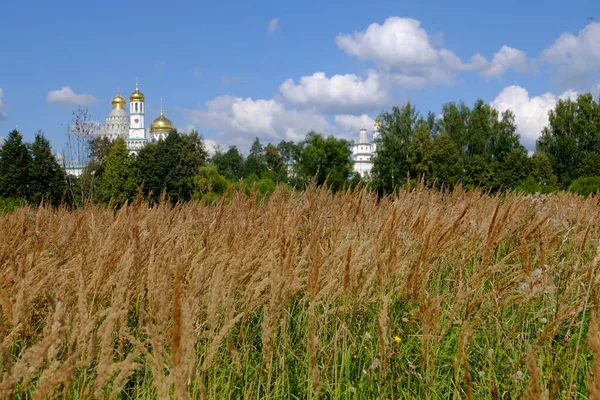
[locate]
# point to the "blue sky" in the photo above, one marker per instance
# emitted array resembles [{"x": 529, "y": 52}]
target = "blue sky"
[{"x": 235, "y": 70}]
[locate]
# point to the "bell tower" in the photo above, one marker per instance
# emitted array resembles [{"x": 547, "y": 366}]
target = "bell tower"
[{"x": 137, "y": 130}]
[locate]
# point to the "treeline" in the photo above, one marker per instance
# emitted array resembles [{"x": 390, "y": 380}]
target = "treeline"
[{"x": 473, "y": 146}]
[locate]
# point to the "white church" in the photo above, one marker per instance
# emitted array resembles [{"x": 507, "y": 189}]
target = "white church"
[
  {"x": 363, "y": 151},
  {"x": 132, "y": 126}
]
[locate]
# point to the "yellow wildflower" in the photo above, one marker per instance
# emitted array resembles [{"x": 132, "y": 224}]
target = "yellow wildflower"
[{"x": 397, "y": 339}]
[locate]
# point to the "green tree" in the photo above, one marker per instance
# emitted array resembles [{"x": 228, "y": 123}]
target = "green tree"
[
  {"x": 446, "y": 161},
  {"x": 255, "y": 162},
  {"x": 290, "y": 151},
  {"x": 390, "y": 165},
  {"x": 589, "y": 165},
  {"x": 209, "y": 185},
  {"x": 275, "y": 163},
  {"x": 541, "y": 170},
  {"x": 513, "y": 169},
  {"x": 420, "y": 152},
  {"x": 229, "y": 164},
  {"x": 170, "y": 165},
  {"x": 119, "y": 182},
  {"x": 454, "y": 121},
  {"x": 479, "y": 173},
  {"x": 480, "y": 128},
  {"x": 503, "y": 138},
  {"x": 573, "y": 131},
  {"x": 15, "y": 167},
  {"x": 325, "y": 159},
  {"x": 586, "y": 185},
  {"x": 47, "y": 178},
  {"x": 432, "y": 124}
]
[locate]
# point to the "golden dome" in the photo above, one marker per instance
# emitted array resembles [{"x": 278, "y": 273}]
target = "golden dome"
[
  {"x": 161, "y": 123},
  {"x": 137, "y": 95},
  {"x": 118, "y": 101}
]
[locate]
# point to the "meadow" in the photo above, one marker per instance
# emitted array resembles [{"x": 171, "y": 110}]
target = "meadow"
[{"x": 300, "y": 295}]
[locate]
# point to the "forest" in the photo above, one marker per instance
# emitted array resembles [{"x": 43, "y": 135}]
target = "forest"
[{"x": 474, "y": 147}]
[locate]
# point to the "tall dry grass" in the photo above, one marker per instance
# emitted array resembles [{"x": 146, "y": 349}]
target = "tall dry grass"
[{"x": 424, "y": 295}]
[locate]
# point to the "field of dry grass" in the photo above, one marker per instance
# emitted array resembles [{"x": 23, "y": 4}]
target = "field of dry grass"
[{"x": 302, "y": 295}]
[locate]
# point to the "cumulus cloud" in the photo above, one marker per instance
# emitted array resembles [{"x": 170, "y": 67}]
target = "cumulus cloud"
[
  {"x": 352, "y": 123},
  {"x": 66, "y": 96},
  {"x": 239, "y": 120},
  {"x": 273, "y": 25},
  {"x": 340, "y": 93},
  {"x": 575, "y": 55},
  {"x": 407, "y": 54},
  {"x": 398, "y": 41},
  {"x": 504, "y": 59},
  {"x": 2, "y": 113},
  {"x": 531, "y": 113}
]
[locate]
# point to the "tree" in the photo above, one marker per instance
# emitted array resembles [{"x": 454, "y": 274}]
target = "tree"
[
  {"x": 209, "y": 184},
  {"x": 589, "y": 165},
  {"x": 586, "y": 185},
  {"x": 503, "y": 137},
  {"x": 47, "y": 178},
  {"x": 171, "y": 165},
  {"x": 480, "y": 128},
  {"x": 119, "y": 182},
  {"x": 420, "y": 151},
  {"x": 82, "y": 130},
  {"x": 15, "y": 167},
  {"x": 325, "y": 159},
  {"x": 454, "y": 121},
  {"x": 446, "y": 161},
  {"x": 479, "y": 173},
  {"x": 514, "y": 168},
  {"x": 275, "y": 163},
  {"x": 229, "y": 164},
  {"x": 541, "y": 170},
  {"x": 100, "y": 147},
  {"x": 567, "y": 138},
  {"x": 255, "y": 162},
  {"x": 390, "y": 165}
]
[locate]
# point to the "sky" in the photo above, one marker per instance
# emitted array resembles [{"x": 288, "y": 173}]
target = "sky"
[{"x": 236, "y": 70}]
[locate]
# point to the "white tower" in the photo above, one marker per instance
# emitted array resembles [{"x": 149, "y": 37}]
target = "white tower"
[
  {"x": 362, "y": 154},
  {"x": 137, "y": 130}
]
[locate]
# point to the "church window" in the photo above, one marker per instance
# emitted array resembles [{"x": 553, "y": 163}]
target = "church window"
[
  {"x": 141, "y": 107},
  {"x": 136, "y": 107}
]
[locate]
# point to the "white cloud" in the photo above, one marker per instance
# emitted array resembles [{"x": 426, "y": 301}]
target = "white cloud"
[
  {"x": 531, "y": 113},
  {"x": 398, "y": 41},
  {"x": 66, "y": 96},
  {"x": 505, "y": 59},
  {"x": 211, "y": 146},
  {"x": 576, "y": 56},
  {"x": 340, "y": 93},
  {"x": 407, "y": 54},
  {"x": 352, "y": 123},
  {"x": 239, "y": 121},
  {"x": 2, "y": 113},
  {"x": 273, "y": 25}
]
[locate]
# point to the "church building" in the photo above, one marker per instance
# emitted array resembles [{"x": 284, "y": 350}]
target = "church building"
[
  {"x": 131, "y": 126},
  {"x": 363, "y": 151}
]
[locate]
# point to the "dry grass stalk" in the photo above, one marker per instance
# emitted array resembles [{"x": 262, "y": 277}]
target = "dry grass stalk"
[
  {"x": 534, "y": 390},
  {"x": 164, "y": 288},
  {"x": 593, "y": 383}
]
